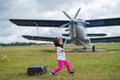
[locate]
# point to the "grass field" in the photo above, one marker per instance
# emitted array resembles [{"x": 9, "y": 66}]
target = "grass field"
[{"x": 14, "y": 62}]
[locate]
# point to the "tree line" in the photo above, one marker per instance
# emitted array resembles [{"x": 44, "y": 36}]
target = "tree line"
[{"x": 19, "y": 44}]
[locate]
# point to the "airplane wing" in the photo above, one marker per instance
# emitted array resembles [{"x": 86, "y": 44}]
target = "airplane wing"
[
  {"x": 43, "y": 23},
  {"x": 41, "y": 38},
  {"x": 38, "y": 38},
  {"x": 58, "y": 23},
  {"x": 105, "y": 39},
  {"x": 93, "y": 40},
  {"x": 96, "y": 34},
  {"x": 103, "y": 22}
]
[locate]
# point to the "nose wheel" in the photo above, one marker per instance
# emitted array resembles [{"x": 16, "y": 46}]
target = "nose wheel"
[{"x": 84, "y": 48}]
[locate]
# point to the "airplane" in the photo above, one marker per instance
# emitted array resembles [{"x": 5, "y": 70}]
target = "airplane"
[{"x": 76, "y": 29}]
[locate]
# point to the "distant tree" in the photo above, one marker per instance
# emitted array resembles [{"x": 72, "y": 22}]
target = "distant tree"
[{"x": 17, "y": 44}]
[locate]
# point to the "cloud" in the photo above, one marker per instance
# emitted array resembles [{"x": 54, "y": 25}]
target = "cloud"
[{"x": 44, "y": 9}]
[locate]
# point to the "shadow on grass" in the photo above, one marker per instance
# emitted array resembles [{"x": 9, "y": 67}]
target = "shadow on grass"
[
  {"x": 48, "y": 51},
  {"x": 114, "y": 50}
]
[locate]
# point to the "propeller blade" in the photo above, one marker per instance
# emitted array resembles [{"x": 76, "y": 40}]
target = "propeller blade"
[
  {"x": 65, "y": 25},
  {"x": 77, "y": 13},
  {"x": 67, "y": 15}
]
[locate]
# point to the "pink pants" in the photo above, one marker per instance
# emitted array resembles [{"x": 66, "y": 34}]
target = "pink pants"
[{"x": 61, "y": 63}]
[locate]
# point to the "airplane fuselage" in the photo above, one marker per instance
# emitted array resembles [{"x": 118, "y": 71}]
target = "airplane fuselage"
[
  {"x": 79, "y": 33},
  {"x": 78, "y": 30}
]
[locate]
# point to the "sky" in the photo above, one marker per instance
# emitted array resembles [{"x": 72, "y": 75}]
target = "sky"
[{"x": 52, "y": 10}]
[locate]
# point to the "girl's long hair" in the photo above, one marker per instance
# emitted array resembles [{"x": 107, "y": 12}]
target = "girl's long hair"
[{"x": 56, "y": 42}]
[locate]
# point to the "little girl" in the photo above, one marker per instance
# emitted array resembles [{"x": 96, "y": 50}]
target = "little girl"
[{"x": 61, "y": 57}]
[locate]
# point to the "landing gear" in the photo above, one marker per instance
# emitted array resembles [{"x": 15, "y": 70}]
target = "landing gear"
[
  {"x": 84, "y": 48},
  {"x": 93, "y": 48}
]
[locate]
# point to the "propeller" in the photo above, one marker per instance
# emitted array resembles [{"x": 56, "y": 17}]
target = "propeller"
[
  {"x": 64, "y": 25},
  {"x": 67, "y": 15},
  {"x": 72, "y": 22},
  {"x": 72, "y": 19},
  {"x": 77, "y": 13}
]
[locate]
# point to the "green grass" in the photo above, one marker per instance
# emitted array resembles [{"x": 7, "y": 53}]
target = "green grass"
[{"x": 14, "y": 62}]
